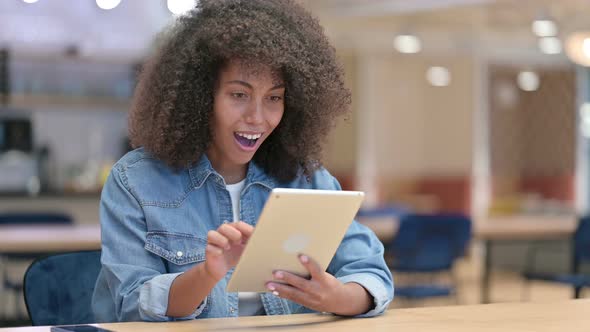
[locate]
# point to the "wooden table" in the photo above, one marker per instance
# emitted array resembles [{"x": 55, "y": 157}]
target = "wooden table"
[
  {"x": 571, "y": 316},
  {"x": 493, "y": 230},
  {"x": 46, "y": 239},
  {"x": 518, "y": 228}
]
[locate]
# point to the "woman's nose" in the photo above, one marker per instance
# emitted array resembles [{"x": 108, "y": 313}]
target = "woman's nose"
[{"x": 254, "y": 114}]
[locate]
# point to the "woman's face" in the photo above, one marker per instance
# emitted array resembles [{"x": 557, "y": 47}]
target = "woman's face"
[{"x": 248, "y": 105}]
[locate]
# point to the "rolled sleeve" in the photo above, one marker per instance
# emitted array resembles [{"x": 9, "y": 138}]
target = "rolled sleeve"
[
  {"x": 153, "y": 299},
  {"x": 375, "y": 287}
]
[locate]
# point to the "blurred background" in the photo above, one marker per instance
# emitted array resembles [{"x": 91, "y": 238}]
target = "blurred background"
[{"x": 471, "y": 107}]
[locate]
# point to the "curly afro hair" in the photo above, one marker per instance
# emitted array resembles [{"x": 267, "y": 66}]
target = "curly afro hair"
[{"x": 173, "y": 102}]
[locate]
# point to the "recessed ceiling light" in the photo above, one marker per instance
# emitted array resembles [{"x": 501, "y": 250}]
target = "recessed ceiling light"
[
  {"x": 550, "y": 45},
  {"x": 528, "y": 80},
  {"x": 544, "y": 28},
  {"x": 438, "y": 76},
  {"x": 107, "y": 4},
  {"x": 179, "y": 7},
  {"x": 407, "y": 44}
]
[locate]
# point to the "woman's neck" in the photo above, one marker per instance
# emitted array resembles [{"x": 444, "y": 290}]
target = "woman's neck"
[
  {"x": 231, "y": 173},
  {"x": 231, "y": 178}
]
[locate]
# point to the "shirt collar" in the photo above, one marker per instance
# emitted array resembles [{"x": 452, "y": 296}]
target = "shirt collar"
[{"x": 202, "y": 169}]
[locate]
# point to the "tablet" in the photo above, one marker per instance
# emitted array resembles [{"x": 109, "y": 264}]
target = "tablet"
[{"x": 294, "y": 221}]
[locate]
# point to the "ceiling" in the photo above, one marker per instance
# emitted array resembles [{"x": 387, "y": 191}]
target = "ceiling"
[
  {"x": 368, "y": 8},
  {"x": 497, "y": 29},
  {"x": 49, "y": 27}
]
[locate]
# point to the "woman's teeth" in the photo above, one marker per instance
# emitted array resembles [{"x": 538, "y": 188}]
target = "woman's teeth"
[
  {"x": 251, "y": 137},
  {"x": 247, "y": 139}
]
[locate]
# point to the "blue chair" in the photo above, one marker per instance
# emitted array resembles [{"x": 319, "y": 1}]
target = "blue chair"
[
  {"x": 581, "y": 255},
  {"x": 428, "y": 244},
  {"x": 391, "y": 210},
  {"x": 34, "y": 218},
  {"x": 58, "y": 288},
  {"x": 26, "y": 218}
]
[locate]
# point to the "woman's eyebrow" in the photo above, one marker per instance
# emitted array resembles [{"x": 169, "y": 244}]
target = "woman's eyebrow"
[
  {"x": 249, "y": 86},
  {"x": 278, "y": 86},
  {"x": 246, "y": 84}
]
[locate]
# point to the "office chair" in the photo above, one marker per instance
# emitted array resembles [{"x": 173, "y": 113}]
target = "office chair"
[
  {"x": 581, "y": 254},
  {"x": 20, "y": 219},
  {"x": 58, "y": 288},
  {"x": 428, "y": 244}
]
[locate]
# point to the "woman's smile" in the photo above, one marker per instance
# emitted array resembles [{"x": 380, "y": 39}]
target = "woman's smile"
[{"x": 247, "y": 141}]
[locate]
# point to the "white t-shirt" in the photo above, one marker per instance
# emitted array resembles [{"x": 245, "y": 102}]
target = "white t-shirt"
[{"x": 249, "y": 304}]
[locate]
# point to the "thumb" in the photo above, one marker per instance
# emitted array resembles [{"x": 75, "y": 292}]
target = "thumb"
[{"x": 312, "y": 266}]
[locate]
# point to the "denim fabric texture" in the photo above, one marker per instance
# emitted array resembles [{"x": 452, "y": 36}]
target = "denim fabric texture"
[{"x": 154, "y": 223}]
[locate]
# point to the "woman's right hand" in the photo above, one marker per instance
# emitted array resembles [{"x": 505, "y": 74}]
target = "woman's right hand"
[{"x": 225, "y": 247}]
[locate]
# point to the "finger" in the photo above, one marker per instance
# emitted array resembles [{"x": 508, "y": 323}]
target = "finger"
[
  {"x": 244, "y": 228},
  {"x": 288, "y": 292},
  {"x": 214, "y": 250},
  {"x": 216, "y": 239},
  {"x": 230, "y": 232},
  {"x": 312, "y": 266},
  {"x": 293, "y": 280}
]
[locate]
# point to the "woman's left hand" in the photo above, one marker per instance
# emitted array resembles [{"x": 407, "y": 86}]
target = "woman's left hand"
[{"x": 322, "y": 292}]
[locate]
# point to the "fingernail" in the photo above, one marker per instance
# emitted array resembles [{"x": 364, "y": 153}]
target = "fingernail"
[
  {"x": 275, "y": 293},
  {"x": 279, "y": 275},
  {"x": 304, "y": 259},
  {"x": 271, "y": 287}
]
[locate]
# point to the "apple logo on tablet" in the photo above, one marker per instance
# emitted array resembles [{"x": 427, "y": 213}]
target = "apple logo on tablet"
[{"x": 295, "y": 244}]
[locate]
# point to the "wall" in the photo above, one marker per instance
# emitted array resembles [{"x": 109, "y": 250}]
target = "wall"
[
  {"x": 532, "y": 139},
  {"x": 340, "y": 153},
  {"x": 420, "y": 136}
]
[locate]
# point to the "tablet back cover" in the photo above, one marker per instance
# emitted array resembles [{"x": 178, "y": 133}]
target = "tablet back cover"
[{"x": 294, "y": 221}]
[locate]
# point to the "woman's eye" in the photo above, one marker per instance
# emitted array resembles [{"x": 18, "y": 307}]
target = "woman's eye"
[
  {"x": 275, "y": 98},
  {"x": 239, "y": 95}
]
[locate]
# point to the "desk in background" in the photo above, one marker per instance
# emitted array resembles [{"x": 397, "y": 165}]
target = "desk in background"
[
  {"x": 571, "y": 316},
  {"x": 493, "y": 230},
  {"x": 518, "y": 228},
  {"x": 47, "y": 239}
]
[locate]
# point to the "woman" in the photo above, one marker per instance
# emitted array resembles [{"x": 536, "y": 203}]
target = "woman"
[{"x": 236, "y": 102}]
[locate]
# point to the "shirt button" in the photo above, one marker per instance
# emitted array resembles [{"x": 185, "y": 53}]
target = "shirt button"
[
  {"x": 179, "y": 253},
  {"x": 232, "y": 310}
]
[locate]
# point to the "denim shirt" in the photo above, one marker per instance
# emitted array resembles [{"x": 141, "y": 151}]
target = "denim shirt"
[{"x": 154, "y": 223}]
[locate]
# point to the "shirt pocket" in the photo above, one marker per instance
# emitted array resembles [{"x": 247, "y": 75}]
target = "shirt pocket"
[{"x": 177, "y": 248}]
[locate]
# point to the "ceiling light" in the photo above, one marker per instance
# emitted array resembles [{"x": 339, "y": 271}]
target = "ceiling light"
[
  {"x": 528, "y": 80},
  {"x": 550, "y": 45},
  {"x": 407, "y": 44},
  {"x": 107, "y": 4},
  {"x": 544, "y": 28},
  {"x": 577, "y": 47},
  {"x": 179, "y": 7},
  {"x": 30, "y": 1},
  {"x": 438, "y": 76}
]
